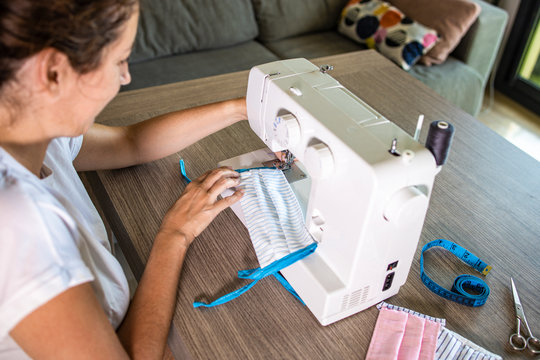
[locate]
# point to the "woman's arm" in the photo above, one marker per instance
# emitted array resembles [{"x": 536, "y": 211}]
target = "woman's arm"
[
  {"x": 73, "y": 324},
  {"x": 70, "y": 326},
  {"x": 187, "y": 218},
  {"x": 106, "y": 147}
]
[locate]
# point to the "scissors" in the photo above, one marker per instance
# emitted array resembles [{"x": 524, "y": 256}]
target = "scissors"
[{"x": 518, "y": 341}]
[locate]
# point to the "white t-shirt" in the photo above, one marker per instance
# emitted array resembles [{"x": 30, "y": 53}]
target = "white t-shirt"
[{"x": 51, "y": 239}]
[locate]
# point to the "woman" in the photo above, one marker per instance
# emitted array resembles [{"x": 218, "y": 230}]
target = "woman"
[{"x": 62, "y": 294}]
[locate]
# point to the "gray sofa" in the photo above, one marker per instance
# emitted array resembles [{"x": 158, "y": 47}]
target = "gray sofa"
[{"x": 186, "y": 39}]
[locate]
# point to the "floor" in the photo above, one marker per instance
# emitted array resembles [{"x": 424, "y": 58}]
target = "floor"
[{"x": 512, "y": 121}]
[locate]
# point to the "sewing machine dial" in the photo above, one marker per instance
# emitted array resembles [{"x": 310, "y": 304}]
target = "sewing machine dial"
[{"x": 286, "y": 130}]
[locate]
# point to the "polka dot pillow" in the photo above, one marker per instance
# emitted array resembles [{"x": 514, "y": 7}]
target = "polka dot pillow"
[{"x": 382, "y": 26}]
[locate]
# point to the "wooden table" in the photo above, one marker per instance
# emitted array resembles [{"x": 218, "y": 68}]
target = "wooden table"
[{"x": 487, "y": 199}]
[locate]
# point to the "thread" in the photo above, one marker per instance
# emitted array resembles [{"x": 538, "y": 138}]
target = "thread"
[{"x": 439, "y": 139}]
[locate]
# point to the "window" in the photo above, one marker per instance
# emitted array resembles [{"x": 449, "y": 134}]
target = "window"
[{"x": 518, "y": 75}]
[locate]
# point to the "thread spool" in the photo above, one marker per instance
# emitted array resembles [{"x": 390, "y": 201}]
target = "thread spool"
[{"x": 439, "y": 139}]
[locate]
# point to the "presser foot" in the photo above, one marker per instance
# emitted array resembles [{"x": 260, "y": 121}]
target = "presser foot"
[
  {"x": 291, "y": 170},
  {"x": 278, "y": 164}
]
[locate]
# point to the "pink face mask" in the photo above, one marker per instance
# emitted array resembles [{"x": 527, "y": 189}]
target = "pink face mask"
[{"x": 400, "y": 335}]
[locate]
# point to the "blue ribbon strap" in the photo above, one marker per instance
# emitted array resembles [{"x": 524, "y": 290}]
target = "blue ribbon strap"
[
  {"x": 254, "y": 168},
  {"x": 183, "y": 170},
  {"x": 184, "y": 174},
  {"x": 288, "y": 287},
  {"x": 260, "y": 273}
]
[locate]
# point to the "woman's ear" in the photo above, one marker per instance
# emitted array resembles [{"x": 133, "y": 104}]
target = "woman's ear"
[{"x": 53, "y": 73}]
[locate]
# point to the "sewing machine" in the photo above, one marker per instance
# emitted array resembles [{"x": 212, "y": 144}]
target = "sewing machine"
[{"x": 362, "y": 182}]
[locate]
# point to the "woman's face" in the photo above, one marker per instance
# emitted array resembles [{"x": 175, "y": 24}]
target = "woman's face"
[
  {"x": 94, "y": 90},
  {"x": 71, "y": 109}
]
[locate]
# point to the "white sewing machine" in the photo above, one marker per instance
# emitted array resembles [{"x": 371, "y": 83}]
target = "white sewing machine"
[{"x": 362, "y": 182}]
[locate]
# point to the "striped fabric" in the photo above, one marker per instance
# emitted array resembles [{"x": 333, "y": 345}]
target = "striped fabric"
[
  {"x": 451, "y": 345},
  {"x": 409, "y": 311},
  {"x": 273, "y": 216}
]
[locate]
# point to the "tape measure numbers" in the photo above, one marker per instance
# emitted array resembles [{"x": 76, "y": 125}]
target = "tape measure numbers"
[{"x": 462, "y": 282}]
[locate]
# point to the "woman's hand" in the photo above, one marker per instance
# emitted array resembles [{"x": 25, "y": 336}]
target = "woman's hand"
[{"x": 199, "y": 203}]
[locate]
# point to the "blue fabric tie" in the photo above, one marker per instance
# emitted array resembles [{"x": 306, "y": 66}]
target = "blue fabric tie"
[
  {"x": 260, "y": 273},
  {"x": 276, "y": 228}
]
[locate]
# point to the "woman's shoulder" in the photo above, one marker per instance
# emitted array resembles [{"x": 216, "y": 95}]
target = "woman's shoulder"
[
  {"x": 15, "y": 200},
  {"x": 30, "y": 224},
  {"x": 38, "y": 257}
]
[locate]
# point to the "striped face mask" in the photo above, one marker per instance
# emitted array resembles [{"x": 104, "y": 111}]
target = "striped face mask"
[
  {"x": 273, "y": 216},
  {"x": 276, "y": 226}
]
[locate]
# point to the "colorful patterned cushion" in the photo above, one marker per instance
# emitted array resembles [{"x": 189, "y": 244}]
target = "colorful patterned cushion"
[
  {"x": 450, "y": 18},
  {"x": 384, "y": 27}
]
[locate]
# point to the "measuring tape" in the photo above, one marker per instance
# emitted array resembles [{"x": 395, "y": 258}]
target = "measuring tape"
[{"x": 462, "y": 282}]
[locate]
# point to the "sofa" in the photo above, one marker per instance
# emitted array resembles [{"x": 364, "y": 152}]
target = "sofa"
[{"x": 180, "y": 40}]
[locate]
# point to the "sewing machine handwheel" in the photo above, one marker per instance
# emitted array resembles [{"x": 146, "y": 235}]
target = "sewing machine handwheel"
[{"x": 406, "y": 203}]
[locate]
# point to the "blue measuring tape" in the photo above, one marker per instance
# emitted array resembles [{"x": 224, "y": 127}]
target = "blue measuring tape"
[{"x": 462, "y": 282}]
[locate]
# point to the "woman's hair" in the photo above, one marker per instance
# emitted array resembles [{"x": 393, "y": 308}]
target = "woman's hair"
[{"x": 80, "y": 29}]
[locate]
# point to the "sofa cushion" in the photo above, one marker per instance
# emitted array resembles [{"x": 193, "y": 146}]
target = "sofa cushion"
[
  {"x": 279, "y": 19},
  {"x": 168, "y": 27},
  {"x": 479, "y": 47},
  {"x": 451, "y": 19},
  {"x": 384, "y": 27},
  {"x": 453, "y": 80},
  {"x": 313, "y": 45},
  {"x": 198, "y": 64}
]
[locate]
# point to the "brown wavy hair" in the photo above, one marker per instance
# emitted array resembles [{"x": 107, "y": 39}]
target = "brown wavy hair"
[{"x": 80, "y": 29}]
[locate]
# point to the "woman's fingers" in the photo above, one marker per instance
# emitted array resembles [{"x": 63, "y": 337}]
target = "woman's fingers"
[
  {"x": 222, "y": 184},
  {"x": 199, "y": 203},
  {"x": 209, "y": 178},
  {"x": 224, "y": 203}
]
